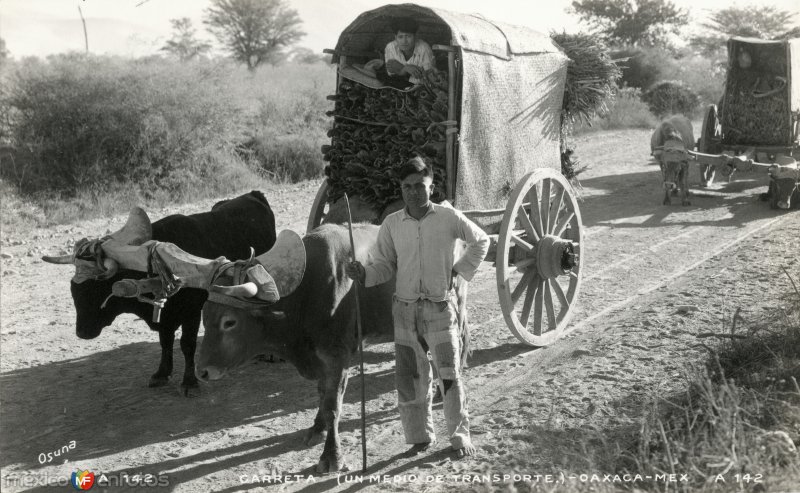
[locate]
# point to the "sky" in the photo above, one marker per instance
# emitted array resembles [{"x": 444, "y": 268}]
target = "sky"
[{"x": 140, "y": 27}]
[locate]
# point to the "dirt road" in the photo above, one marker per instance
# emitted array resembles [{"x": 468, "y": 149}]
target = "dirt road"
[{"x": 655, "y": 276}]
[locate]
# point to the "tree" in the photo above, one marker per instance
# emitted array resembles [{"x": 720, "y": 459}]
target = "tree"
[
  {"x": 254, "y": 31},
  {"x": 765, "y": 22},
  {"x": 630, "y": 22},
  {"x": 3, "y": 50},
  {"x": 184, "y": 43},
  {"x": 305, "y": 56}
]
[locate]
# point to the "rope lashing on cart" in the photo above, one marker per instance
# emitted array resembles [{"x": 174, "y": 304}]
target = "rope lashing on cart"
[{"x": 762, "y": 94}]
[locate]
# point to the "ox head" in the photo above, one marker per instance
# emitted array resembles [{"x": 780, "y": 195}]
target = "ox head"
[
  {"x": 785, "y": 178},
  {"x": 240, "y": 316},
  {"x": 95, "y": 274},
  {"x": 673, "y": 160}
]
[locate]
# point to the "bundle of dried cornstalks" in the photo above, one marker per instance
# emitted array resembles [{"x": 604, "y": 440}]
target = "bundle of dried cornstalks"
[{"x": 377, "y": 130}]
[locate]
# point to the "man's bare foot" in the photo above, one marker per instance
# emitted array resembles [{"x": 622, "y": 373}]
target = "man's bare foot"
[
  {"x": 467, "y": 450},
  {"x": 417, "y": 448}
]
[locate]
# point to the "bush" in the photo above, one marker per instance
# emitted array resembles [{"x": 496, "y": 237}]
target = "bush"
[
  {"x": 627, "y": 111},
  {"x": 93, "y": 121},
  {"x": 285, "y": 158},
  {"x": 74, "y": 125},
  {"x": 671, "y": 98}
]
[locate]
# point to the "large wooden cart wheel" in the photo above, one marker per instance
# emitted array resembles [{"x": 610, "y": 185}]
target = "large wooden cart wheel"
[
  {"x": 319, "y": 208},
  {"x": 539, "y": 257},
  {"x": 711, "y": 132}
]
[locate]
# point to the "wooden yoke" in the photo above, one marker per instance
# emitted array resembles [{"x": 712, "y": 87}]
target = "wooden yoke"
[{"x": 194, "y": 272}]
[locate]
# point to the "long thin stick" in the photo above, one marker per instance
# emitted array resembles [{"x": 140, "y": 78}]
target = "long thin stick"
[
  {"x": 85, "y": 34},
  {"x": 360, "y": 347}
]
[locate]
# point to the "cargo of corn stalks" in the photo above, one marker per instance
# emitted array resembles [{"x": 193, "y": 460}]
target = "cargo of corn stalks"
[
  {"x": 591, "y": 77},
  {"x": 755, "y": 106},
  {"x": 376, "y": 131},
  {"x": 590, "y": 86}
]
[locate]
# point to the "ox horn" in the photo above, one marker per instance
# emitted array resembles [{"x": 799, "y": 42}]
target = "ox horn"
[
  {"x": 137, "y": 229},
  {"x": 285, "y": 262},
  {"x": 60, "y": 260},
  {"x": 246, "y": 290}
]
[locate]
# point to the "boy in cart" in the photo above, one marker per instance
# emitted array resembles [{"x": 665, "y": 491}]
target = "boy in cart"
[
  {"x": 417, "y": 245},
  {"x": 407, "y": 55}
]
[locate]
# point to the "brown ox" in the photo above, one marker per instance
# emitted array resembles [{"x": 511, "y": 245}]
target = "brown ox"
[
  {"x": 295, "y": 301},
  {"x": 669, "y": 145}
]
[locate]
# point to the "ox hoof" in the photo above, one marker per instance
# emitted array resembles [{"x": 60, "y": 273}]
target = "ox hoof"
[
  {"x": 666, "y": 202},
  {"x": 158, "y": 381},
  {"x": 686, "y": 202},
  {"x": 328, "y": 465}
]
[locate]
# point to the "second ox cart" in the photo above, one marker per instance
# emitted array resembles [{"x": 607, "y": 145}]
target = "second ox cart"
[{"x": 757, "y": 122}]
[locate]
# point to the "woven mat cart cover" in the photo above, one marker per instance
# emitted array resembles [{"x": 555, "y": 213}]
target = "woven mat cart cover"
[
  {"x": 512, "y": 90},
  {"x": 773, "y": 69}
]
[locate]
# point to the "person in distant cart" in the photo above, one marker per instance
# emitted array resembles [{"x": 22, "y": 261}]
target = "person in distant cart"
[
  {"x": 407, "y": 55},
  {"x": 416, "y": 244}
]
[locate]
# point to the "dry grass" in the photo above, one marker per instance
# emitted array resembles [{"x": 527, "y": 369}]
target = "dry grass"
[{"x": 736, "y": 426}]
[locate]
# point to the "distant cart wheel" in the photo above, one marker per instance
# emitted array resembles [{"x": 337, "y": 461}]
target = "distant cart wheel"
[
  {"x": 539, "y": 257},
  {"x": 319, "y": 209},
  {"x": 711, "y": 132}
]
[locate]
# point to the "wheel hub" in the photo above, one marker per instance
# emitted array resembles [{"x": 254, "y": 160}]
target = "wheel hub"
[{"x": 556, "y": 256}]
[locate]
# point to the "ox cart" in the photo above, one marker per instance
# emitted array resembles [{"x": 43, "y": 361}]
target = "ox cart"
[
  {"x": 488, "y": 119},
  {"x": 757, "y": 122}
]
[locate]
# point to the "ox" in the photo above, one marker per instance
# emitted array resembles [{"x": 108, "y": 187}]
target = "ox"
[
  {"x": 230, "y": 229},
  {"x": 669, "y": 146},
  {"x": 295, "y": 301},
  {"x": 784, "y": 181}
]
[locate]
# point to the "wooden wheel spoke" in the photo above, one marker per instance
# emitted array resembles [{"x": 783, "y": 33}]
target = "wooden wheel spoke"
[
  {"x": 537, "y": 310},
  {"x": 562, "y": 298},
  {"x": 527, "y": 247},
  {"x": 555, "y": 211},
  {"x": 535, "y": 215},
  {"x": 523, "y": 264},
  {"x": 545, "y": 209},
  {"x": 548, "y": 305},
  {"x": 562, "y": 225},
  {"x": 524, "y": 282},
  {"x": 526, "y": 305},
  {"x": 528, "y": 225}
]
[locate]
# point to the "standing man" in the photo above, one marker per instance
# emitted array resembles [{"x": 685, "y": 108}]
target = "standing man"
[
  {"x": 417, "y": 245},
  {"x": 407, "y": 54}
]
